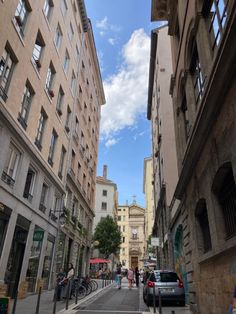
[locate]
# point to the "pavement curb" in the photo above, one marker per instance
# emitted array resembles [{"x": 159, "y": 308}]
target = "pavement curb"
[{"x": 90, "y": 296}]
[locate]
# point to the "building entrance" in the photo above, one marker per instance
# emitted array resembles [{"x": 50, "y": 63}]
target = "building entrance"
[
  {"x": 134, "y": 261},
  {"x": 15, "y": 260}
]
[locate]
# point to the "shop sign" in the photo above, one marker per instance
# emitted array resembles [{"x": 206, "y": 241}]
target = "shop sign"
[
  {"x": 4, "y": 305},
  {"x": 155, "y": 241},
  {"x": 38, "y": 235}
]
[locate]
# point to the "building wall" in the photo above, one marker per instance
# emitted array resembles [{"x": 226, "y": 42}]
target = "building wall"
[
  {"x": 149, "y": 196},
  {"x": 22, "y": 217},
  {"x": 205, "y": 136}
]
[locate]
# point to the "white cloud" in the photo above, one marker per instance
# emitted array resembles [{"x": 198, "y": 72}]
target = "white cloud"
[
  {"x": 126, "y": 90},
  {"x": 103, "y": 24},
  {"x": 111, "y": 142},
  {"x": 106, "y": 27},
  {"x": 111, "y": 41}
]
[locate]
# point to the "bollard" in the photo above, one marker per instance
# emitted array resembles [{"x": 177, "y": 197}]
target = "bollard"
[
  {"x": 55, "y": 300},
  {"x": 14, "y": 304},
  {"x": 67, "y": 295},
  {"x": 76, "y": 292},
  {"x": 38, "y": 301},
  {"x": 160, "y": 305},
  {"x": 154, "y": 299},
  {"x": 172, "y": 312}
]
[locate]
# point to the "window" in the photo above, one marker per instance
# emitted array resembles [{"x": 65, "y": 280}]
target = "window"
[
  {"x": 47, "y": 8},
  {"x": 66, "y": 62},
  {"x": 104, "y": 192},
  {"x": 84, "y": 180},
  {"x": 58, "y": 37},
  {"x": 197, "y": 75},
  {"x": 75, "y": 207},
  {"x": 88, "y": 190},
  {"x": 78, "y": 170},
  {"x": 40, "y": 130},
  {"x": 21, "y": 16},
  {"x": 25, "y": 105},
  {"x": 123, "y": 218},
  {"x": 123, "y": 239},
  {"x": 6, "y": 69},
  {"x": 64, "y": 8},
  {"x": 104, "y": 206},
  {"x": 72, "y": 165},
  {"x": 37, "y": 52},
  {"x": 43, "y": 198},
  {"x": 49, "y": 80},
  {"x": 225, "y": 189},
  {"x": 123, "y": 251},
  {"x": 71, "y": 32},
  {"x": 203, "y": 226},
  {"x": 76, "y": 127},
  {"x": 68, "y": 117},
  {"x": 52, "y": 147},
  {"x": 72, "y": 83},
  {"x": 29, "y": 184},
  {"x": 77, "y": 53},
  {"x": 216, "y": 13},
  {"x": 119, "y": 218},
  {"x": 61, "y": 164},
  {"x": 123, "y": 228},
  {"x": 60, "y": 99},
  {"x": 11, "y": 165},
  {"x": 184, "y": 110}
]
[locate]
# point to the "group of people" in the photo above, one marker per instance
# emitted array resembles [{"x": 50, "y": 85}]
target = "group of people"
[
  {"x": 132, "y": 274},
  {"x": 64, "y": 282}
]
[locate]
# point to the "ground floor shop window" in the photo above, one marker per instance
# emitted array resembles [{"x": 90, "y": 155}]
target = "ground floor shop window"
[
  {"x": 32, "y": 271},
  {"x": 47, "y": 262}
]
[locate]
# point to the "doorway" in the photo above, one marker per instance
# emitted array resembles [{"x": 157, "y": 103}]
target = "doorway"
[
  {"x": 12, "y": 274},
  {"x": 134, "y": 261}
]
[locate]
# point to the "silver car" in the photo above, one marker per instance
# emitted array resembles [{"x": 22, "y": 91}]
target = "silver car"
[{"x": 170, "y": 286}]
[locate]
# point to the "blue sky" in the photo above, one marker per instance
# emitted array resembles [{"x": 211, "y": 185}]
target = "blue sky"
[{"x": 122, "y": 35}]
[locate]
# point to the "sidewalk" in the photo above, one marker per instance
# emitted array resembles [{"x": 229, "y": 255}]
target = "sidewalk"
[
  {"x": 28, "y": 305},
  {"x": 170, "y": 310}
]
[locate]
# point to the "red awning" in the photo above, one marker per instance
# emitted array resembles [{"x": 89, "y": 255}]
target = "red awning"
[{"x": 99, "y": 260}]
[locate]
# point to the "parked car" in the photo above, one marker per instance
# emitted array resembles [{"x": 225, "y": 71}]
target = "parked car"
[{"x": 170, "y": 285}]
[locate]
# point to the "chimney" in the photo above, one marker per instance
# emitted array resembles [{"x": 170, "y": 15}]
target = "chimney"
[{"x": 105, "y": 171}]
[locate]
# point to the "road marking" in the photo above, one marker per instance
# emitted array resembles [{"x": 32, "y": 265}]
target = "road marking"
[{"x": 110, "y": 311}]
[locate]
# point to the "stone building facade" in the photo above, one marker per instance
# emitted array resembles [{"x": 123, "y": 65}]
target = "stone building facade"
[
  {"x": 203, "y": 89},
  {"x": 131, "y": 221},
  {"x": 50, "y": 99}
]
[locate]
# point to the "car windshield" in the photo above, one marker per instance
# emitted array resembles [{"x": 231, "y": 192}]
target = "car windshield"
[{"x": 166, "y": 277}]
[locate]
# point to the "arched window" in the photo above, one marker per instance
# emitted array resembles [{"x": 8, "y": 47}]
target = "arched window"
[
  {"x": 225, "y": 190},
  {"x": 204, "y": 240}
]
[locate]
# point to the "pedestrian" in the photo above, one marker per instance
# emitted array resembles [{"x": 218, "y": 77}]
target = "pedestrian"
[
  {"x": 118, "y": 276},
  {"x": 68, "y": 280},
  {"x": 137, "y": 274},
  {"x": 60, "y": 283},
  {"x": 130, "y": 276}
]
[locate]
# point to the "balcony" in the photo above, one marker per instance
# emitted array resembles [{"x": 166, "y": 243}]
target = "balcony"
[{"x": 7, "y": 179}]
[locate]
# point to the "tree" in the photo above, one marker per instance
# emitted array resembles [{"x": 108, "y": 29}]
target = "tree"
[{"x": 108, "y": 236}]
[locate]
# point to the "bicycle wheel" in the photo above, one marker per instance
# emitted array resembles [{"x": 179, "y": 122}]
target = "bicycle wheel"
[
  {"x": 81, "y": 292},
  {"x": 94, "y": 285}
]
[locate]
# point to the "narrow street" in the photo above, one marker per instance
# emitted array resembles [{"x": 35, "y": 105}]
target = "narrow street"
[{"x": 115, "y": 301}]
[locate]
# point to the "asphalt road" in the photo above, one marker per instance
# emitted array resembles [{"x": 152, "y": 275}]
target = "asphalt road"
[{"x": 115, "y": 301}]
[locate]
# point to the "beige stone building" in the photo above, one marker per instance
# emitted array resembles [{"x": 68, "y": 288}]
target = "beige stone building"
[
  {"x": 160, "y": 112},
  {"x": 203, "y": 90},
  {"x": 131, "y": 221},
  {"x": 149, "y": 198},
  {"x": 50, "y": 98}
]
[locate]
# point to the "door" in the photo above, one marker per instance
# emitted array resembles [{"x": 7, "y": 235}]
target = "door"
[{"x": 134, "y": 261}]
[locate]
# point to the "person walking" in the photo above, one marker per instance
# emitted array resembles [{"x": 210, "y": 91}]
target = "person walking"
[
  {"x": 68, "y": 280},
  {"x": 60, "y": 283},
  {"x": 137, "y": 274},
  {"x": 118, "y": 276},
  {"x": 130, "y": 276}
]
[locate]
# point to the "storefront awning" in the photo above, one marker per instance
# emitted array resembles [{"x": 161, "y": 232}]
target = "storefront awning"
[{"x": 99, "y": 261}]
